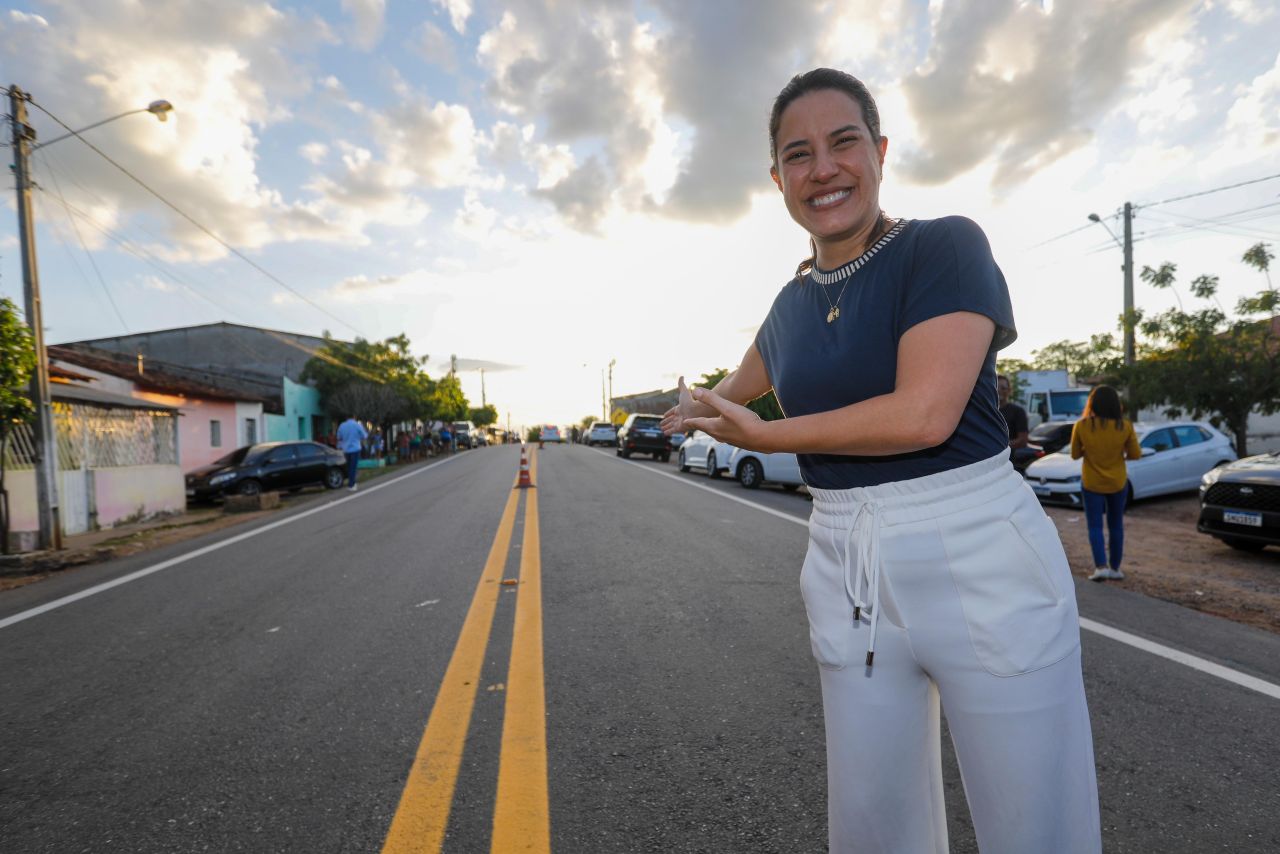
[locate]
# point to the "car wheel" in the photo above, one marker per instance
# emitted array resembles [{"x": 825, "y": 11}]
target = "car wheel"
[
  {"x": 626, "y": 455},
  {"x": 713, "y": 470},
  {"x": 249, "y": 487},
  {"x": 750, "y": 474},
  {"x": 1244, "y": 545},
  {"x": 665, "y": 456},
  {"x": 617, "y": 452},
  {"x": 684, "y": 467},
  {"x": 333, "y": 478}
]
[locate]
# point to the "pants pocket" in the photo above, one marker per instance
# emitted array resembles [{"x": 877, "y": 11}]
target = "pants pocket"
[
  {"x": 826, "y": 602},
  {"x": 1014, "y": 585}
]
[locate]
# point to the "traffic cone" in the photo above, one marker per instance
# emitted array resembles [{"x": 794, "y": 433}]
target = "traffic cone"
[{"x": 524, "y": 482}]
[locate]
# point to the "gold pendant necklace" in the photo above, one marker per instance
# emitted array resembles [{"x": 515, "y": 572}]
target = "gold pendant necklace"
[{"x": 883, "y": 226}]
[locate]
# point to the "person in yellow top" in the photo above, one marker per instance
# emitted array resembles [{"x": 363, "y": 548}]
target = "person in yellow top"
[{"x": 1105, "y": 438}]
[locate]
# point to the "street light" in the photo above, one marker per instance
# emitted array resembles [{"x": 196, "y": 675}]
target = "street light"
[
  {"x": 1127, "y": 248},
  {"x": 46, "y": 444}
]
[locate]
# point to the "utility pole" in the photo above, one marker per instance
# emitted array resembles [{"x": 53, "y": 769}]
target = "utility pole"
[
  {"x": 453, "y": 365},
  {"x": 604, "y": 400},
  {"x": 46, "y": 443},
  {"x": 612, "y": 362},
  {"x": 483, "y": 400},
  {"x": 1129, "y": 348}
]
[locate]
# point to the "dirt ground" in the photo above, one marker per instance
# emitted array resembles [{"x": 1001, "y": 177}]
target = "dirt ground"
[{"x": 1166, "y": 557}]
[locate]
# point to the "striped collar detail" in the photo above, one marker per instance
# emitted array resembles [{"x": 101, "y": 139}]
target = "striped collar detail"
[{"x": 843, "y": 272}]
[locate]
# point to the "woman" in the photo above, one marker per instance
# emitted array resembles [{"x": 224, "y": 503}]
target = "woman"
[
  {"x": 1104, "y": 438},
  {"x": 931, "y": 573}
]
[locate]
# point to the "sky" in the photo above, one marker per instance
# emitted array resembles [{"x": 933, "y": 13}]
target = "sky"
[{"x": 541, "y": 187}]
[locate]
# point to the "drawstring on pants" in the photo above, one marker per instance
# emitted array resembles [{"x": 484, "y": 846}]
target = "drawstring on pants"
[{"x": 868, "y": 565}]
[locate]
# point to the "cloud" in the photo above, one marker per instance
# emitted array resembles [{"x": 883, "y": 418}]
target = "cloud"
[
  {"x": 459, "y": 11},
  {"x": 1253, "y": 122},
  {"x": 231, "y": 71},
  {"x": 313, "y": 152},
  {"x": 1009, "y": 81},
  {"x": 487, "y": 366},
  {"x": 666, "y": 112},
  {"x": 367, "y": 19}
]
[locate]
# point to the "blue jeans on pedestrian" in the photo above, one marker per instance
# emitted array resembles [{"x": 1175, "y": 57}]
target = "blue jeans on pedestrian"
[
  {"x": 353, "y": 463},
  {"x": 1110, "y": 504}
]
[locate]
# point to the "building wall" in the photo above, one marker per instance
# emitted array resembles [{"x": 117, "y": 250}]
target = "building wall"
[
  {"x": 195, "y": 447},
  {"x": 244, "y": 412},
  {"x": 117, "y": 494},
  {"x": 220, "y": 345},
  {"x": 195, "y": 428},
  {"x": 301, "y": 404}
]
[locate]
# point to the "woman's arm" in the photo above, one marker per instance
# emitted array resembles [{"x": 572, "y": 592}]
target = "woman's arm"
[
  {"x": 1077, "y": 441},
  {"x": 938, "y": 364}
]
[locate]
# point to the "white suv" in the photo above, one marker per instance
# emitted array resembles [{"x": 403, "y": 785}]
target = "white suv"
[{"x": 602, "y": 433}]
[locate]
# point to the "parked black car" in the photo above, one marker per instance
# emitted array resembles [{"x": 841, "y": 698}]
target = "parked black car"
[
  {"x": 267, "y": 466},
  {"x": 1240, "y": 502},
  {"x": 643, "y": 434},
  {"x": 1047, "y": 438}
]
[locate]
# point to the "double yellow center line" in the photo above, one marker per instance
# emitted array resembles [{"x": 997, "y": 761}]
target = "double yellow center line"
[{"x": 521, "y": 819}]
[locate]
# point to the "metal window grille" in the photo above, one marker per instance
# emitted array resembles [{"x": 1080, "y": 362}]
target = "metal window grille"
[{"x": 97, "y": 437}]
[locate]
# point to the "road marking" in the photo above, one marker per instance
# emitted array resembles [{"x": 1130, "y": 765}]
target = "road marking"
[
  {"x": 521, "y": 816},
  {"x": 213, "y": 547},
  {"x": 423, "y": 813},
  {"x": 1193, "y": 661}
]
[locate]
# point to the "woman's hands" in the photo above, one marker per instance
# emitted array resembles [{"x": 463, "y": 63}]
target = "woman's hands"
[
  {"x": 731, "y": 423},
  {"x": 673, "y": 419}
]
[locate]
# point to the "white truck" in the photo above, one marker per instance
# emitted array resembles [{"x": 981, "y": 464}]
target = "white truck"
[{"x": 1050, "y": 396}]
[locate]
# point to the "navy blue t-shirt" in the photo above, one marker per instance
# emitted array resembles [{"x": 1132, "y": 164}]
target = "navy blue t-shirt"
[{"x": 928, "y": 268}]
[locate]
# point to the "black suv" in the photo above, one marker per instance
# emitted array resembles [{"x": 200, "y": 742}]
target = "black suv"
[
  {"x": 1047, "y": 438},
  {"x": 1240, "y": 502},
  {"x": 265, "y": 467},
  {"x": 643, "y": 434}
]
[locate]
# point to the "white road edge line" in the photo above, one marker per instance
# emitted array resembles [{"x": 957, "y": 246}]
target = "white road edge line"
[
  {"x": 212, "y": 547},
  {"x": 1244, "y": 680}
]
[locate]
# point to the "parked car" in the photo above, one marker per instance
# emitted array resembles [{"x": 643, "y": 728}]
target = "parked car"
[
  {"x": 642, "y": 434},
  {"x": 464, "y": 433},
  {"x": 1240, "y": 502},
  {"x": 1175, "y": 457},
  {"x": 703, "y": 451},
  {"x": 752, "y": 468},
  {"x": 1046, "y": 438},
  {"x": 602, "y": 433},
  {"x": 265, "y": 467}
]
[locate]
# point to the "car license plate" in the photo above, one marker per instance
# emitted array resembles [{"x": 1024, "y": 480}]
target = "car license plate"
[
  {"x": 1042, "y": 491},
  {"x": 1242, "y": 517}
]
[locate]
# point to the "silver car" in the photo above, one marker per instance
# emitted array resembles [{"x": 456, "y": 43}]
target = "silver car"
[{"x": 702, "y": 451}]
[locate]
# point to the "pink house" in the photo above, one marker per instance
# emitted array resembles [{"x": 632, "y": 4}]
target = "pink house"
[{"x": 215, "y": 418}]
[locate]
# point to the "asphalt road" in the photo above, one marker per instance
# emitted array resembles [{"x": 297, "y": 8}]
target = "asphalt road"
[{"x": 271, "y": 692}]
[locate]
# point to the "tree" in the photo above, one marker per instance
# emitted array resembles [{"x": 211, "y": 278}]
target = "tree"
[
  {"x": 484, "y": 416},
  {"x": 388, "y": 363},
  {"x": 1208, "y": 364},
  {"x": 1100, "y": 356},
  {"x": 448, "y": 403},
  {"x": 766, "y": 406},
  {"x": 17, "y": 364}
]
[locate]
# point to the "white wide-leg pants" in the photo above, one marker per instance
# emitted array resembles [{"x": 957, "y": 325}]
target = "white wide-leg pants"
[{"x": 952, "y": 587}]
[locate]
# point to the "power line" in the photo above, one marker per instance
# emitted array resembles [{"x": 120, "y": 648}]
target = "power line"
[
  {"x": 203, "y": 228},
  {"x": 57, "y": 190},
  {"x": 1207, "y": 192}
]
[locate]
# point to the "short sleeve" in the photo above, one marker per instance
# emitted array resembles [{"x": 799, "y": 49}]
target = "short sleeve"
[{"x": 952, "y": 271}]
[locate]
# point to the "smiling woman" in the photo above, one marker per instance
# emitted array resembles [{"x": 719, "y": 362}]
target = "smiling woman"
[{"x": 881, "y": 351}]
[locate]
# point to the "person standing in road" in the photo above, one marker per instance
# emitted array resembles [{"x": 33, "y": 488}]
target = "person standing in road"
[
  {"x": 351, "y": 436},
  {"x": 928, "y": 554},
  {"x": 1104, "y": 438},
  {"x": 1013, "y": 414}
]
